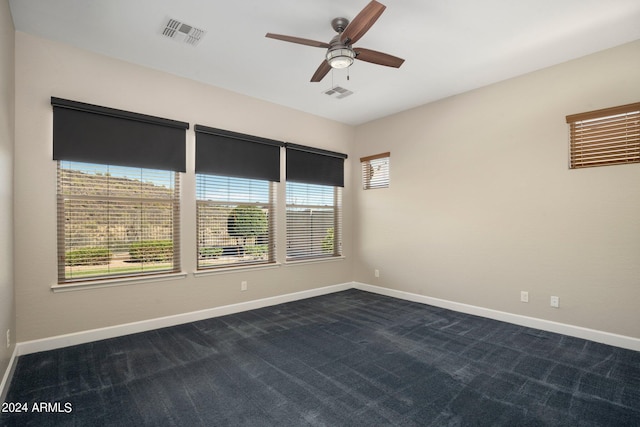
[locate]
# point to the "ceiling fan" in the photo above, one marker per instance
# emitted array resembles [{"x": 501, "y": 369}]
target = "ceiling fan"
[{"x": 340, "y": 50}]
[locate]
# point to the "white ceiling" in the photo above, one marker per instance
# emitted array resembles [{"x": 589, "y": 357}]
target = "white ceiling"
[{"x": 450, "y": 46}]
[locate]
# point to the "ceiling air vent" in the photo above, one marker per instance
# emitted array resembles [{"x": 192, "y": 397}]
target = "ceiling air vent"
[
  {"x": 338, "y": 92},
  {"x": 182, "y": 32}
]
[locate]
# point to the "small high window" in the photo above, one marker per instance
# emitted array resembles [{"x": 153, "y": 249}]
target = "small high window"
[
  {"x": 610, "y": 136},
  {"x": 375, "y": 171}
]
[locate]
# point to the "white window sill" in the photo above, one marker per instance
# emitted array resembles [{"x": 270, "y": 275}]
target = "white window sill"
[
  {"x": 293, "y": 263},
  {"x": 231, "y": 269},
  {"x": 121, "y": 281}
]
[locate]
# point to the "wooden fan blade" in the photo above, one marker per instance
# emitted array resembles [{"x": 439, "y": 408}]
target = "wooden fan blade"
[
  {"x": 322, "y": 71},
  {"x": 298, "y": 40},
  {"x": 379, "y": 58},
  {"x": 362, "y": 22}
]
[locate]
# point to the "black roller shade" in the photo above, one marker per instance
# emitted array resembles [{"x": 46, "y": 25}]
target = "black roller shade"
[
  {"x": 315, "y": 166},
  {"x": 226, "y": 153},
  {"x": 94, "y": 134}
]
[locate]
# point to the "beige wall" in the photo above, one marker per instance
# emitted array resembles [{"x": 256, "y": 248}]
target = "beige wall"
[
  {"x": 482, "y": 204},
  {"x": 44, "y": 69},
  {"x": 7, "y": 306}
]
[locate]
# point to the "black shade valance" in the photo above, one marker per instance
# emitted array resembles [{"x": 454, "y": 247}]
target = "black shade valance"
[
  {"x": 94, "y": 134},
  {"x": 315, "y": 166},
  {"x": 222, "y": 152}
]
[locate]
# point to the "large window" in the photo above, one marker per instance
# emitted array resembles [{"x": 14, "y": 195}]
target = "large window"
[
  {"x": 118, "y": 192},
  {"x": 315, "y": 179},
  {"x": 605, "y": 137},
  {"x": 236, "y": 176},
  {"x": 314, "y": 221},
  {"x": 236, "y": 221},
  {"x": 116, "y": 221}
]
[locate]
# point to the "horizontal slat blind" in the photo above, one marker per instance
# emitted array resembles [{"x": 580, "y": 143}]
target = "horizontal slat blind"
[
  {"x": 375, "y": 171},
  {"x": 605, "y": 137},
  {"x": 314, "y": 221},
  {"x": 116, "y": 221},
  {"x": 236, "y": 221}
]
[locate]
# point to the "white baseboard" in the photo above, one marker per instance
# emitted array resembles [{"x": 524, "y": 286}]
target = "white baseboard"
[
  {"x": 622, "y": 341},
  {"x": 8, "y": 374},
  {"x": 82, "y": 337}
]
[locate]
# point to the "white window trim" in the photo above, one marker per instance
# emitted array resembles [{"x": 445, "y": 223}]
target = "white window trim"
[
  {"x": 234, "y": 269},
  {"x": 296, "y": 262},
  {"x": 120, "y": 281}
]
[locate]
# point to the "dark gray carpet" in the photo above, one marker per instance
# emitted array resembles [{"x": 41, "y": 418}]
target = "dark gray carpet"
[{"x": 347, "y": 359}]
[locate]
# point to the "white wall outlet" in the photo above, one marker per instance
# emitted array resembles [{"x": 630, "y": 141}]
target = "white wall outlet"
[
  {"x": 555, "y": 302},
  {"x": 8, "y": 338},
  {"x": 376, "y": 272},
  {"x": 524, "y": 296},
  {"x": 243, "y": 285}
]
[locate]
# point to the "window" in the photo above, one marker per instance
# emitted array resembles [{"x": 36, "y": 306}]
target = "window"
[
  {"x": 605, "y": 137},
  {"x": 375, "y": 171},
  {"x": 118, "y": 192},
  {"x": 314, "y": 202},
  {"x": 116, "y": 221},
  {"x": 236, "y": 176},
  {"x": 314, "y": 221},
  {"x": 235, "y": 221}
]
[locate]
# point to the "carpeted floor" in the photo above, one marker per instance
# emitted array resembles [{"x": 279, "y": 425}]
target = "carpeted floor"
[{"x": 347, "y": 359}]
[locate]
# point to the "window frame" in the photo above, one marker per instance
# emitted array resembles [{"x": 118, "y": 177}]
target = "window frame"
[{"x": 97, "y": 135}]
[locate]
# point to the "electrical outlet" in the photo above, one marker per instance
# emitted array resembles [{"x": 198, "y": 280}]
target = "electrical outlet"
[
  {"x": 524, "y": 296},
  {"x": 555, "y": 302},
  {"x": 243, "y": 285},
  {"x": 376, "y": 272},
  {"x": 8, "y": 338}
]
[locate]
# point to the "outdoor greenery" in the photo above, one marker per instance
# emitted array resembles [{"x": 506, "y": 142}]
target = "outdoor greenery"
[
  {"x": 246, "y": 221},
  {"x": 88, "y": 256},
  {"x": 151, "y": 251},
  {"x": 256, "y": 250},
  {"x": 327, "y": 242}
]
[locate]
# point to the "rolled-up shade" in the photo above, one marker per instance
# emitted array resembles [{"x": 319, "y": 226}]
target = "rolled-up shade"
[
  {"x": 94, "y": 134},
  {"x": 226, "y": 153},
  {"x": 315, "y": 166}
]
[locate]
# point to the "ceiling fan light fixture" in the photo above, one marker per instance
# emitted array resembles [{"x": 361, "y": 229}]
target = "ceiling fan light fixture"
[{"x": 341, "y": 57}]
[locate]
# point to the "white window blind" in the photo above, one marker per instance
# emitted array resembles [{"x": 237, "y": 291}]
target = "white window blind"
[
  {"x": 314, "y": 221},
  {"x": 116, "y": 221},
  {"x": 375, "y": 171},
  {"x": 605, "y": 137},
  {"x": 236, "y": 221}
]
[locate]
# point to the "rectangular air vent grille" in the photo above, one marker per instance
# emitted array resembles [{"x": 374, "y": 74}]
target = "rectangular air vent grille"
[
  {"x": 182, "y": 32},
  {"x": 338, "y": 92}
]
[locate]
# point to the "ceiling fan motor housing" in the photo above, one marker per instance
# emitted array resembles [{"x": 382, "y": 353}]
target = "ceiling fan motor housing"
[{"x": 339, "y": 55}]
